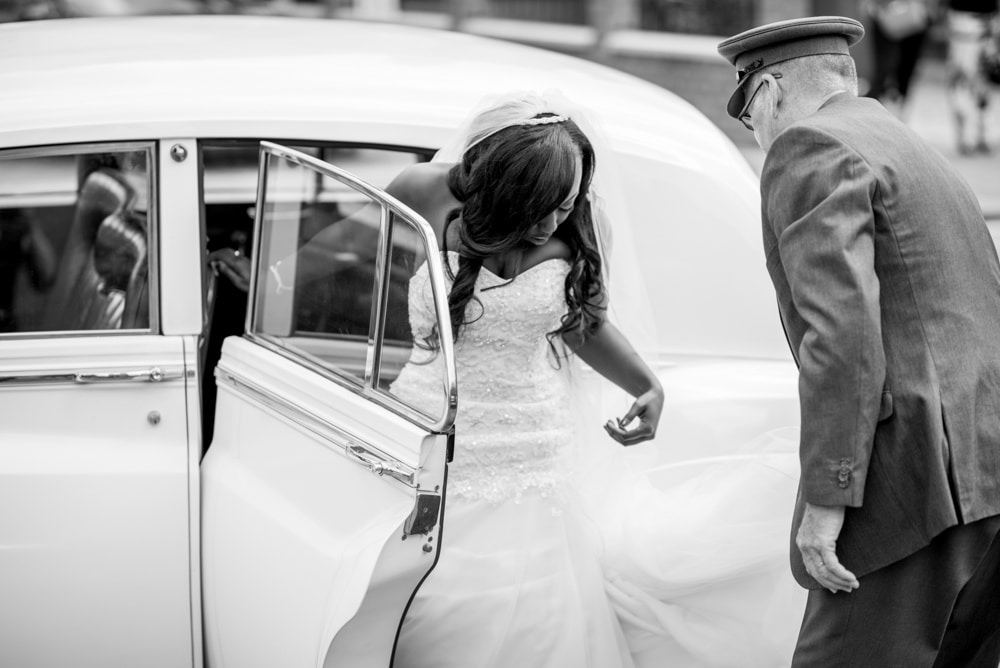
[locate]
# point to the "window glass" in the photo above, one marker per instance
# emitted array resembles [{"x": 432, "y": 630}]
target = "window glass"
[
  {"x": 229, "y": 186},
  {"x": 74, "y": 239},
  {"x": 406, "y": 254},
  {"x": 412, "y": 332},
  {"x": 334, "y": 276}
]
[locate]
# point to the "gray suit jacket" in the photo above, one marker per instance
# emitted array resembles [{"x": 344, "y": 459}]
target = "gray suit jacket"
[{"x": 888, "y": 286}]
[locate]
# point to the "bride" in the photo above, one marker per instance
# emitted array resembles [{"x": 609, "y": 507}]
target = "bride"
[{"x": 555, "y": 553}]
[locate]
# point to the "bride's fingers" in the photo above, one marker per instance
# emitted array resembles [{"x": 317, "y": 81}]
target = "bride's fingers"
[
  {"x": 615, "y": 431},
  {"x": 643, "y": 432},
  {"x": 646, "y": 411},
  {"x": 632, "y": 414}
]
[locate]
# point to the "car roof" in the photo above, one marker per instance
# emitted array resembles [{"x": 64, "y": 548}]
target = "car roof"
[{"x": 136, "y": 77}]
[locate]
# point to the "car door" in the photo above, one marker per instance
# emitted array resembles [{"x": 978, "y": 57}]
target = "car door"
[
  {"x": 97, "y": 493},
  {"x": 323, "y": 491}
]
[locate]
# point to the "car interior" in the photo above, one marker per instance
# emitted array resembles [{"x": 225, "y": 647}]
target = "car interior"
[
  {"x": 102, "y": 282},
  {"x": 74, "y": 251}
]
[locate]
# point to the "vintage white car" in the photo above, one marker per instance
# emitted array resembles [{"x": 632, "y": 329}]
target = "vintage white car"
[{"x": 186, "y": 480}]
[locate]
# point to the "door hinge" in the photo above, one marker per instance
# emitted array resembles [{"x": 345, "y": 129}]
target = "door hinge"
[{"x": 425, "y": 513}]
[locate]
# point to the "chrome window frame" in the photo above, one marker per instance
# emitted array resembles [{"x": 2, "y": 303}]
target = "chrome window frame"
[
  {"x": 152, "y": 228},
  {"x": 376, "y": 336}
]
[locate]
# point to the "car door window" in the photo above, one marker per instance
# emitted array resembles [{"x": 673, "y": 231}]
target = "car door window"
[
  {"x": 229, "y": 181},
  {"x": 75, "y": 238},
  {"x": 337, "y": 271},
  {"x": 229, "y": 169}
]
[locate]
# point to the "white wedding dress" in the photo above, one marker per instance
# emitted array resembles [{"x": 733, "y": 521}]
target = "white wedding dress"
[{"x": 674, "y": 568}]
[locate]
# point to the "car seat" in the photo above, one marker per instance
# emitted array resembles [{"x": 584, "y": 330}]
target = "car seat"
[{"x": 102, "y": 280}]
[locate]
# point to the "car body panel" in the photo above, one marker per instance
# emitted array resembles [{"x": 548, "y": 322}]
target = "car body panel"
[
  {"x": 293, "y": 530},
  {"x": 179, "y": 203},
  {"x": 95, "y": 531},
  {"x": 322, "y": 506}
]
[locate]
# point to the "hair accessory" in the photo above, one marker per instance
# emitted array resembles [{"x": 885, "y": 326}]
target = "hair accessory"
[{"x": 544, "y": 120}]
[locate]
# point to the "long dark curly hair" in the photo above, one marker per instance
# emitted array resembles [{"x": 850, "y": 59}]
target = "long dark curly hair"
[{"x": 506, "y": 183}]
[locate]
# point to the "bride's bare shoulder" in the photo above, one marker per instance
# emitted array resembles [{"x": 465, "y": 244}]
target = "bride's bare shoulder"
[{"x": 422, "y": 186}]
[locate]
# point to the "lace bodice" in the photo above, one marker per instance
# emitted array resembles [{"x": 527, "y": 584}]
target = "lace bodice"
[{"x": 513, "y": 396}]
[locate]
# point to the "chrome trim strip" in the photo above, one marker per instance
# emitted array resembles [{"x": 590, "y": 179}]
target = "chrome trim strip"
[
  {"x": 351, "y": 446},
  {"x": 154, "y": 285},
  {"x": 92, "y": 376},
  {"x": 75, "y": 149},
  {"x": 253, "y": 299},
  {"x": 194, "y": 453},
  {"x": 380, "y": 292},
  {"x": 73, "y": 333}
]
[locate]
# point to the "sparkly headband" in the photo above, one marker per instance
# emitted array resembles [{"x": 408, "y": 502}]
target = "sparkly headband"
[
  {"x": 538, "y": 120},
  {"x": 543, "y": 120}
]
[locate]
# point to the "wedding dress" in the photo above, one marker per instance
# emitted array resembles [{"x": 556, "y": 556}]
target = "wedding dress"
[{"x": 675, "y": 567}]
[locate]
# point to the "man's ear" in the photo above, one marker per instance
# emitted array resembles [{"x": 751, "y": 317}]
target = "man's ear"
[{"x": 776, "y": 94}]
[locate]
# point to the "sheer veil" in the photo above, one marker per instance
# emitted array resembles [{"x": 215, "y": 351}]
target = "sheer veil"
[{"x": 629, "y": 305}]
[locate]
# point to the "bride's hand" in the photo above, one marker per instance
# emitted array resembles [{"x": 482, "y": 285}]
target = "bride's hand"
[{"x": 647, "y": 408}]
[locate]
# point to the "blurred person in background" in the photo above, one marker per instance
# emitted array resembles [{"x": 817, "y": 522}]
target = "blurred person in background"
[
  {"x": 972, "y": 30},
  {"x": 29, "y": 10},
  {"x": 899, "y": 29}
]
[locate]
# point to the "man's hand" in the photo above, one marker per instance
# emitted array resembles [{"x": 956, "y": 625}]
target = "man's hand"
[{"x": 817, "y": 540}]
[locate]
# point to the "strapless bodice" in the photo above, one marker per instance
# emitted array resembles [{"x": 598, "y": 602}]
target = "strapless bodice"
[{"x": 513, "y": 420}]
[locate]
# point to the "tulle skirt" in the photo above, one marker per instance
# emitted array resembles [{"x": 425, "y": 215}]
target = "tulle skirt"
[
  {"x": 516, "y": 585},
  {"x": 680, "y": 566}
]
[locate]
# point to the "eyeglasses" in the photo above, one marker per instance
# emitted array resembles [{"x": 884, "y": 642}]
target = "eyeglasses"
[{"x": 744, "y": 114}]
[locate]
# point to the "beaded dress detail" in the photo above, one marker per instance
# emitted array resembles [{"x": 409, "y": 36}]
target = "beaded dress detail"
[{"x": 514, "y": 421}]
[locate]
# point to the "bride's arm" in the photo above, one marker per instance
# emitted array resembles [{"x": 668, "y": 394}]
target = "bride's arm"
[{"x": 610, "y": 354}]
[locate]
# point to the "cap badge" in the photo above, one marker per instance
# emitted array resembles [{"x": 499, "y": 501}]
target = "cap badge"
[{"x": 752, "y": 67}]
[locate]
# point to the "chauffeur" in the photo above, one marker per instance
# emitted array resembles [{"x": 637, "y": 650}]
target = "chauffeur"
[{"x": 888, "y": 287}]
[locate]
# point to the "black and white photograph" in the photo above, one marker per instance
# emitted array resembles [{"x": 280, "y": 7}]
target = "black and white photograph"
[{"x": 499, "y": 333}]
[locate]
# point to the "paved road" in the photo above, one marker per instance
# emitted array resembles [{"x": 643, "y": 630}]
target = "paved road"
[{"x": 929, "y": 115}]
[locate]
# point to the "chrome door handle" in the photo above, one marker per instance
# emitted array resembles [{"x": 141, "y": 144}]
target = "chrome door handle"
[
  {"x": 378, "y": 466},
  {"x": 151, "y": 375}
]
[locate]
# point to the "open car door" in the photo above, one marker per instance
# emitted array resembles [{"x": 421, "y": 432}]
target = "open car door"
[{"x": 322, "y": 491}]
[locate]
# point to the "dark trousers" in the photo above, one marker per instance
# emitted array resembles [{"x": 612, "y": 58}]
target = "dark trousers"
[
  {"x": 895, "y": 63},
  {"x": 937, "y": 608}
]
